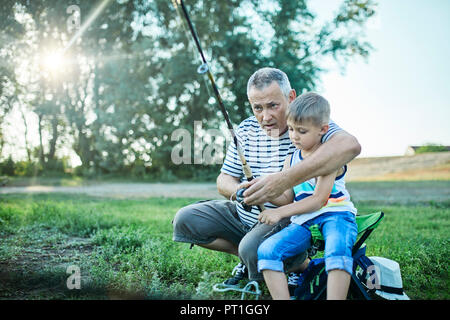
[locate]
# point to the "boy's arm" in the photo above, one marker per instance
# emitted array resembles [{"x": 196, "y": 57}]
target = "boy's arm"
[
  {"x": 340, "y": 149},
  {"x": 310, "y": 204}
]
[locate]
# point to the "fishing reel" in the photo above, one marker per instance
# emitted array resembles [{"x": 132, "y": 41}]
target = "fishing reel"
[{"x": 240, "y": 199}]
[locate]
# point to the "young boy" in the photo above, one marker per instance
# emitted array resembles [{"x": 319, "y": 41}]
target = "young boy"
[{"x": 323, "y": 200}]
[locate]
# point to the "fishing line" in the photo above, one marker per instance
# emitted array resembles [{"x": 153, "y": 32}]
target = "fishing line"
[{"x": 205, "y": 69}]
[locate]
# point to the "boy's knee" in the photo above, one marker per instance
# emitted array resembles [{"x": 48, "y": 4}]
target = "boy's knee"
[
  {"x": 339, "y": 244},
  {"x": 266, "y": 251},
  {"x": 344, "y": 263},
  {"x": 268, "y": 258},
  {"x": 339, "y": 256}
]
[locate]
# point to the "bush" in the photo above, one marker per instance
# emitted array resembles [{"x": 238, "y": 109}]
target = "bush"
[
  {"x": 431, "y": 148},
  {"x": 27, "y": 169},
  {"x": 7, "y": 167}
]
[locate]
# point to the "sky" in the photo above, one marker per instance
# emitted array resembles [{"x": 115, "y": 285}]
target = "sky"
[{"x": 401, "y": 96}]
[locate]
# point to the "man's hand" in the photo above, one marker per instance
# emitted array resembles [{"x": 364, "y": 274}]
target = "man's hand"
[
  {"x": 332, "y": 155},
  {"x": 242, "y": 185},
  {"x": 228, "y": 185},
  {"x": 265, "y": 189},
  {"x": 269, "y": 217}
]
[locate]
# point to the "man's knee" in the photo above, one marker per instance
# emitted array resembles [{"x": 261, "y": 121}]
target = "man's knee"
[
  {"x": 186, "y": 227},
  {"x": 181, "y": 217},
  {"x": 204, "y": 222},
  {"x": 248, "y": 248}
]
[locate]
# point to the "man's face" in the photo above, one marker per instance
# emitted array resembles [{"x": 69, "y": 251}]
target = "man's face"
[{"x": 269, "y": 107}]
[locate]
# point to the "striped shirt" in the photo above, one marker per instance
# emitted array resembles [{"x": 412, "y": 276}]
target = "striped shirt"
[
  {"x": 264, "y": 154},
  {"x": 338, "y": 201}
]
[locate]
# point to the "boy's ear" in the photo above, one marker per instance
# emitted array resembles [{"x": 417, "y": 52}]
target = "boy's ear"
[{"x": 324, "y": 129}]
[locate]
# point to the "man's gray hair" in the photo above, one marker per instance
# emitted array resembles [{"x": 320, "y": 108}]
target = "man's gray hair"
[{"x": 265, "y": 76}]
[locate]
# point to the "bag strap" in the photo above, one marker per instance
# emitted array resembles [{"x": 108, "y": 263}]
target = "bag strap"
[{"x": 392, "y": 290}]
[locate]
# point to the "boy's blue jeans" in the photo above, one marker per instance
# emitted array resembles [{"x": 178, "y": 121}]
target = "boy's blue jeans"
[{"x": 339, "y": 231}]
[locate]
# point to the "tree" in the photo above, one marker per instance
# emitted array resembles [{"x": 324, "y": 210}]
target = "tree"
[
  {"x": 132, "y": 77},
  {"x": 58, "y": 100},
  {"x": 226, "y": 32}
]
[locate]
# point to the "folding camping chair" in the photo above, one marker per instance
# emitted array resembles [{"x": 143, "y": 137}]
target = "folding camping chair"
[{"x": 313, "y": 282}]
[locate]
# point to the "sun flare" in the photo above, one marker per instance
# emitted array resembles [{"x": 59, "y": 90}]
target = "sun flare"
[{"x": 53, "y": 61}]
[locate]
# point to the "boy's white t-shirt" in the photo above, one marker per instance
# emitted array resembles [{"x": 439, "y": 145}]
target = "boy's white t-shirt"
[{"x": 338, "y": 201}]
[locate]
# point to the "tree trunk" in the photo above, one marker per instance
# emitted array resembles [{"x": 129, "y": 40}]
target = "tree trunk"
[
  {"x": 41, "y": 145},
  {"x": 25, "y": 123},
  {"x": 51, "y": 155}
]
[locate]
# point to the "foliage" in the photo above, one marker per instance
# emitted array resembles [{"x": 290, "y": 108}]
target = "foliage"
[
  {"x": 431, "y": 147},
  {"x": 7, "y": 167},
  {"x": 58, "y": 167},
  {"x": 130, "y": 80}
]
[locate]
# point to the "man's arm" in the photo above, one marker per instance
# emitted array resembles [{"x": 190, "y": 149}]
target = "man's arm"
[
  {"x": 340, "y": 149},
  {"x": 309, "y": 204},
  {"x": 288, "y": 195},
  {"x": 227, "y": 184}
]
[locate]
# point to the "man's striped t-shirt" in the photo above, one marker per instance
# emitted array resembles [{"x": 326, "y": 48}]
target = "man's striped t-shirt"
[{"x": 264, "y": 154}]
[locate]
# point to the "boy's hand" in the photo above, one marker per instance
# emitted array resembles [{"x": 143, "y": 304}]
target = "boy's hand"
[{"x": 269, "y": 217}]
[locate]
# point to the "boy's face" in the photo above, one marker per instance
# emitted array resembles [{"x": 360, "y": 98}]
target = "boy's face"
[
  {"x": 269, "y": 107},
  {"x": 306, "y": 135}
]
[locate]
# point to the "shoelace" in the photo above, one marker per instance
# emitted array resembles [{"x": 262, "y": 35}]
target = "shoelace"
[
  {"x": 293, "y": 278},
  {"x": 238, "y": 270}
]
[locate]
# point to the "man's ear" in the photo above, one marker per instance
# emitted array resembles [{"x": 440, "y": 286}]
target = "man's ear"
[{"x": 292, "y": 95}]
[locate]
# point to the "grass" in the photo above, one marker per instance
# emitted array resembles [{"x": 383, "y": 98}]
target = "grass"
[{"x": 124, "y": 248}]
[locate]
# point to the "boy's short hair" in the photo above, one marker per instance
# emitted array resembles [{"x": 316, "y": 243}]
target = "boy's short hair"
[
  {"x": 309, "y": 106},
  {"x": 265, "y": 76}
]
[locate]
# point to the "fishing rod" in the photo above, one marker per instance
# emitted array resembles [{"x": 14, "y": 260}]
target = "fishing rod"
[{"x": 204, "y": 68}]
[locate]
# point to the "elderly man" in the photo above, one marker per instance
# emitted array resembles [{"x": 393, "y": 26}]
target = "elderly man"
[{"x": 227, "y": 226}]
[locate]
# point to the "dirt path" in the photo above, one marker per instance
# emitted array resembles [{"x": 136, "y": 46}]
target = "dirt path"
[
  {"x": 386, "y": 192},
  {"x": 128, "y": 190},
  {"x": 429, "y": 166}
]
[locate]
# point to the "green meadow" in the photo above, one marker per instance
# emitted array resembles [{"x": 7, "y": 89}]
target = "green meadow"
[{"x": 123, "y": 249}]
